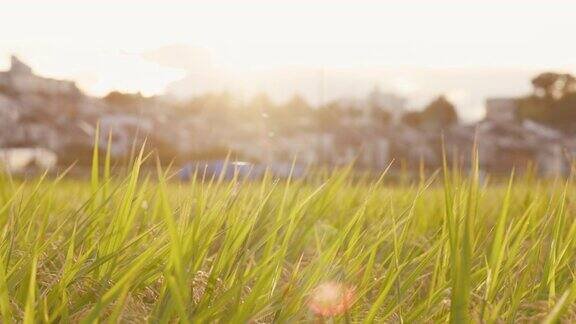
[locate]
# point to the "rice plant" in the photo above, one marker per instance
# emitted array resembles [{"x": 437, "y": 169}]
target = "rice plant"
[{"x": 331, "y": 248}]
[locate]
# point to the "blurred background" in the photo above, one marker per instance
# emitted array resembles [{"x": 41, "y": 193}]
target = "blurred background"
[{"x": 325, "y": 83}]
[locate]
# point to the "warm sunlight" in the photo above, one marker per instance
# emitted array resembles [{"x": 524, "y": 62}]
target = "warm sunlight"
[
  {"x": 105, "y": 45},
  {"x": 287, "y": 161}
]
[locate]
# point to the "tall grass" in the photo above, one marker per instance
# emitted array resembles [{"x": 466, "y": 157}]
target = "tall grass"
[{"x": 137, "y": 248}]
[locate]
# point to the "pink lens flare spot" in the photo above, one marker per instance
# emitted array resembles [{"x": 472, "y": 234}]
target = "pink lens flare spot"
[{"x": 331, "y": 299}]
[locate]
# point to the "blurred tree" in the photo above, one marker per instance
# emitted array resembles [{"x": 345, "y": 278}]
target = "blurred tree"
[
  {"x": 382, "y": 116},
  {"x": 209, "y": 103},
  {"x": 553, "y": 102},
  {"x": 564, "y": 116},
  {"x": 124, "y": 99},
  {"x": 412, "y": 118},
  {"x": 569, "y": 84},
  {"x": 544, "y": 84},
  {"x": 552, "y": 85},
  {"x": 441, "y": 112},
  {"x": 262, "y": 103},
  {"x": 297, "y": 105},
  {"x": 328, "y": 116},
  {"x": 534, "y": 108}
]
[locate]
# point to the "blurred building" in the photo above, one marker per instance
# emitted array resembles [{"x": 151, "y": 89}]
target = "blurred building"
[
  {"x": 20, "y": 78},
  {"x": 38, "y": 113}
]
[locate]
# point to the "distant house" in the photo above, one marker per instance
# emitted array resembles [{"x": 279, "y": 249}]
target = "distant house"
[
  {"x": 17, "y": 160},
  {"x": 123, "y": 128},
  {"x": 362, "y": 112},
  {"x": 21, "y": 79},
  {"x": 506, "y": 145}
]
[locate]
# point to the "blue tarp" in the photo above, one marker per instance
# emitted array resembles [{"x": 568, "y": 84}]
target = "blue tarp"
[{"x": 242, "y": 170}]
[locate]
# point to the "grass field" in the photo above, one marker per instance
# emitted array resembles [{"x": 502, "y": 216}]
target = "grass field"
[{"x": 138, "y": 248}]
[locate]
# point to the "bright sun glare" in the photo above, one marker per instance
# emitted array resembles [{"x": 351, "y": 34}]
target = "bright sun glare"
[{"x": 104, "y": 45}]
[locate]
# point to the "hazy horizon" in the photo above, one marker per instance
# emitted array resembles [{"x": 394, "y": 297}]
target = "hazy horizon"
[{"x": 468, "y": 50}]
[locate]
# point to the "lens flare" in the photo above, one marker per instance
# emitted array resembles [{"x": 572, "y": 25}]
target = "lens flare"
[{"x": 331, "y": 299}]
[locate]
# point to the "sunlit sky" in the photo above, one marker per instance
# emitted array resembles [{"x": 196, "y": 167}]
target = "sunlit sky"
[{"x": 468, "y": 49}]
